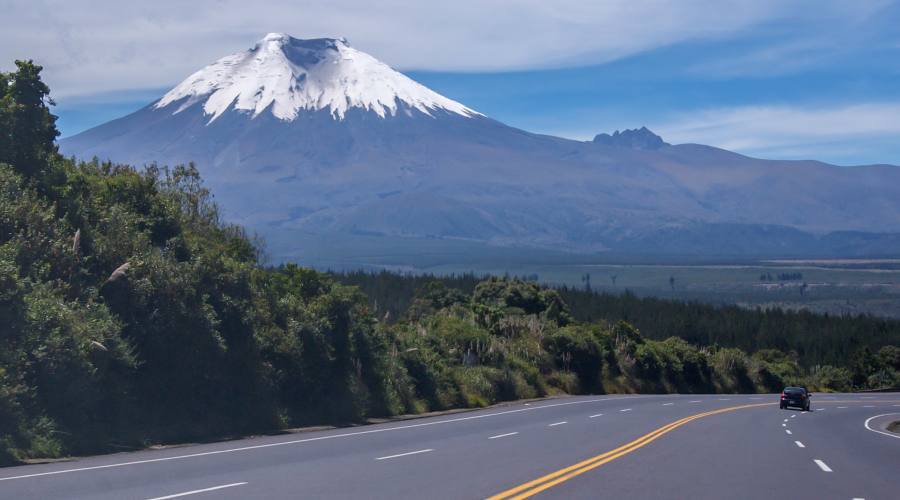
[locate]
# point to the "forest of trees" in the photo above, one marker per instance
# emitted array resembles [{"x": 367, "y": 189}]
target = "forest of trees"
[
  {"x": 130, "y": 314},
  {"x": 812, "y": 339}
]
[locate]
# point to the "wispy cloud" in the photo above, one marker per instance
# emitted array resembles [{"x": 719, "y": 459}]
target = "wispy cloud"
[
  {"x": 789, "y": 132},
  {"x": 789, "y": 46},
  {"x": 774, "y": 59},
  {"x": 110, "y": 45}
]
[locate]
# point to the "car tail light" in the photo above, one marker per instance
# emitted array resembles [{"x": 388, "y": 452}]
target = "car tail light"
[{"x": 782, "y": 395}]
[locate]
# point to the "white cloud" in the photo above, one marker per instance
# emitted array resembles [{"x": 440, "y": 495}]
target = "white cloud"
[
  {"x": 102, "y": 45},
  {"x": 774, "y": 59},
  {"x": 801, "y": 46},
  {"x": 788, "y": 132}
]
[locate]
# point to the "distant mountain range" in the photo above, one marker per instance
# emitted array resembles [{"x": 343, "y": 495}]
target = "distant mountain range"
[{"x": 306, "y": 140}]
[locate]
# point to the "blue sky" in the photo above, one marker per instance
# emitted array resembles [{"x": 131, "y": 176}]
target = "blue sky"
[{"x": 772, "y": 79}]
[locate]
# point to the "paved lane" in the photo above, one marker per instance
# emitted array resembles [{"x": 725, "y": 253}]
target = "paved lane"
[
  {"x": 745, "y": 452},
  {"x": 749, "y": 454}
]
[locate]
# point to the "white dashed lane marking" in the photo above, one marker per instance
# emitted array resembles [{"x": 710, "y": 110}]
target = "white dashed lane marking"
[
  {"x": 822, "y": 465},
  {"x": 799, "y": 444},
  {"x": 194, "y": 492},
  {"x": 417, "y": 452},
  {"x": 311, "y": 439}
]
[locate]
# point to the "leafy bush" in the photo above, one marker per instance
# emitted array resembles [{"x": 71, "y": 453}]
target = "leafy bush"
[{"x": 829, "y": 378}]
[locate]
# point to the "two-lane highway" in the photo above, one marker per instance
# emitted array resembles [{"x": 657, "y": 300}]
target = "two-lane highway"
[{"x": 649, "y": 446}]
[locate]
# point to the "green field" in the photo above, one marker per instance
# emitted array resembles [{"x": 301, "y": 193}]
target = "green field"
[
  {"x": 839, "y": 286},
  {"x": 836, "y": 290}
]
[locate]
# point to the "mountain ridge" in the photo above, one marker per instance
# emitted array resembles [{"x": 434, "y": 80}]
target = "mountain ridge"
[
  {"x": 323, "y": 172},
  {"x": 641, "y": 138}
]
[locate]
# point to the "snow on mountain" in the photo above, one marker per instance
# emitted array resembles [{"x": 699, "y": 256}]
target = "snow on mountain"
[
  {"x": 288, "y": 75},
  {"x": 306, "y": 141}
]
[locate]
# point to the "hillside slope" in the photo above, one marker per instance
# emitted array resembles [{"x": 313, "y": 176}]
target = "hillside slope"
[{"x": 300, "y": 139}]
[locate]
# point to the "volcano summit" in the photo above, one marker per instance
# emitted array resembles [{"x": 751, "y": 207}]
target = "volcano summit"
[{"x": 287, "y": 75}]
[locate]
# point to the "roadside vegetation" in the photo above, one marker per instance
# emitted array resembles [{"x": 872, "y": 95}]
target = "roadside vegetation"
[
  {"x": 811, "y": 340},
  {"x": 131, "y": 314}
]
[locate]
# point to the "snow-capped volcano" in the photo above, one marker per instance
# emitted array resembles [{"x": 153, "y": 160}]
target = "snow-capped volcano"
[
  {"x": 288, "y": 75},
  {"x": 311, "y": 142}
]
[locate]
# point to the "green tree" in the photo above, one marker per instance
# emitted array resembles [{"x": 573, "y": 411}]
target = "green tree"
[{"x": 28, "y": 128}]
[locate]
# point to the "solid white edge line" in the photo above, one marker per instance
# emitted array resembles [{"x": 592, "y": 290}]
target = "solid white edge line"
[
  {"x": 558, "y": 423},
  {"x": 799, "y": 444},
  {"x": 320, "y": 438},
  {"x": 194, "y": 492},
  {"x": 503, "y": 435},
  {"x": 822, "y": 465},
  {"x": 866, "y": 424},
  {"x": 405, "y": 454}
]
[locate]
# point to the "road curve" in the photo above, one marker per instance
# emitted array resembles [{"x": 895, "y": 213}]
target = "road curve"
[{"x": 648, "y": 446}]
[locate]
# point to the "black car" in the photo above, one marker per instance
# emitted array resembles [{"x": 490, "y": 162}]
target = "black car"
[{"x": 795, "y": 396}]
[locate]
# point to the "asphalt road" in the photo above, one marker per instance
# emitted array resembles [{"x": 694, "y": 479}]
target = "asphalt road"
[{"x": 660, "y": 446}]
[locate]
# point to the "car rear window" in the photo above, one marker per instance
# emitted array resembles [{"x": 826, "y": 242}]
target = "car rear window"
[{"x": 793, "y": 390}]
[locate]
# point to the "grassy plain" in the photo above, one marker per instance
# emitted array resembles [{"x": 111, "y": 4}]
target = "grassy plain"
[{"x": 834, "y": 286}]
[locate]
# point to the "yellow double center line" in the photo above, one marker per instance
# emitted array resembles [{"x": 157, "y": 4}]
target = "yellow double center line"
[{"x": 542, "y": 483}]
